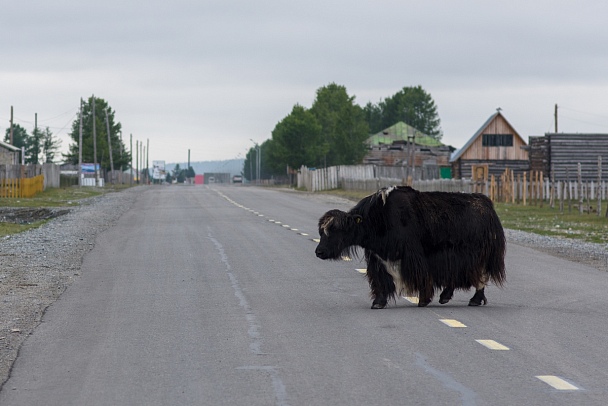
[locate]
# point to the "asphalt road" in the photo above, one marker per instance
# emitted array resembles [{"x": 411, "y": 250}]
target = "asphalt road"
[{"x": 213, "y": 296}]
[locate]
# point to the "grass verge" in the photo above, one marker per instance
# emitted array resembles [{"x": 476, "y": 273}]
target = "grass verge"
[{"x": 54, "y": 197}]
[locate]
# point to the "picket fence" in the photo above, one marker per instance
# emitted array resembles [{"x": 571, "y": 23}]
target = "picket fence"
[
  {"x": 526, "y": 189},
  {"x": 21, "y": 187}
]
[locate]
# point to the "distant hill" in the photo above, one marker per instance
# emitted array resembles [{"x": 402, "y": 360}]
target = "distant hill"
[{"x": 231, "y": 166}]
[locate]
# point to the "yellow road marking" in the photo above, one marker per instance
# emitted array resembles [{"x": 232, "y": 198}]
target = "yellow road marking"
[
  {"x": 314, "y": 239},
  {"x": 411, "y": 299},
  {"x": 345, "y": 258},
  {"x": 493, "y": 345},
  {"x": 452, "y": 323},
  {"x": 361, "y": 270},
  {"x": 557, "y": 383}
]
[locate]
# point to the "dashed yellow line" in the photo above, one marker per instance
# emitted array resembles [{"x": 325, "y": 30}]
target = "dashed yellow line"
[
  {"x": 493, "y": 345},
  {"x": 361, "y": 270},
  {"x": 411, "y": 299},
  {"x": 556, "y": 383},
  {"x": 452, "y": 323}
]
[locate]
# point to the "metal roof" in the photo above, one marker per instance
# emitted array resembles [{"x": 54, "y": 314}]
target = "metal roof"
[
  {"x": 9, "y": 146},
  {"x": 401, "y": 132}
]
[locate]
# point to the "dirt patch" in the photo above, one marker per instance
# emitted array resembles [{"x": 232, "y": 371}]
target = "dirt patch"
[{"x": 28, "y": 215}]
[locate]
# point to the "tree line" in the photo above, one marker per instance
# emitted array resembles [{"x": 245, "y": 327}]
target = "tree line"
[
  {"x": 40, "y": 147},
  {"x": 334, "y": 129}
]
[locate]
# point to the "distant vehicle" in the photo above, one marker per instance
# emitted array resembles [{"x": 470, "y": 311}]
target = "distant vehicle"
[
  {"x": 211, "y": 179},
  {"x": 237, "y": 179}
]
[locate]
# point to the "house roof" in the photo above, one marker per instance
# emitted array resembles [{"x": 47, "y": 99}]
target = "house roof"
[
  {"x": 400, "y": 132},
  {"x": 9, "y": 146},
  {"x": 458, "y": 153}
]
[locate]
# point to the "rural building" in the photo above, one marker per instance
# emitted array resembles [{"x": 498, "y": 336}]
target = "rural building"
[
  {"x": 563, "y": 152},
  {"x": 9, "y": 154},
  {"x": 401, "y": 145},
  {"x": 493, "y": 148}
]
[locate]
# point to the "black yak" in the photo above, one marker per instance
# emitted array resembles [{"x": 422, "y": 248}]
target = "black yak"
[{"x": 415, "y": 242}]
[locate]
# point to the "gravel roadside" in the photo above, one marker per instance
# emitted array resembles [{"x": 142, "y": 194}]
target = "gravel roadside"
[{"x": 36, "y": 266}]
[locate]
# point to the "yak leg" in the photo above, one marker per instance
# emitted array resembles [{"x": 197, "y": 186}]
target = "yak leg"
[
  {"x": 446, "y": 295},
  {"x": 425, "y": 294},
  {"x": 380, "y": 282},
  {"x": 479, "y": 297}
]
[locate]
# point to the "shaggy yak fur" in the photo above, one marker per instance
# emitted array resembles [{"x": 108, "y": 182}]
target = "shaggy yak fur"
[{"x": 415, "y": 242}]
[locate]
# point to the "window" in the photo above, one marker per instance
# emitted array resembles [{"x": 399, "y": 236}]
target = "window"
[{"x": 497, "y": 140}]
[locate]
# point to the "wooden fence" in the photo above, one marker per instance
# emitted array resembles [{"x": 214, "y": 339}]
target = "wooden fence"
[
  {"x": 527, "y": 188},
  {"x": 21, "y": 187}
]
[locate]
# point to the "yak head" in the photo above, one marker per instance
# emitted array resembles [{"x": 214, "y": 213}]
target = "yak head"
[{"x": 338, "y": 231}]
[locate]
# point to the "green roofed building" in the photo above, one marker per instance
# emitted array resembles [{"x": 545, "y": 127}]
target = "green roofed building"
[
  {"x": 402, "y": 132},
  {"x": 400, "y": 145}
]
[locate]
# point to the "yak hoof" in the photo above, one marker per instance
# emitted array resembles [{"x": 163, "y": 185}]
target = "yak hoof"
[
  {"x": 424, "y": 303},
  {"x": 446, "y": 295},
  {"x": 378, "y": 305},
  {"x": 478, "y": 299}
]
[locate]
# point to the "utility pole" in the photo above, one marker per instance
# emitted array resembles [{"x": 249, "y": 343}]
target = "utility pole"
[
  {"x": 36, "y": 140},
  {"x": 80, "y": 148},
  {"x": 147, "y": 157},
  {"x": 555, "y": 114},
  {"x": 141, "y": 161},
  {"x": 137, "y": 160},
  {"x": 131, "y": 162},
  {"x": 95, "y": 146},
  {"x": 188, "y": 168},
  {"x": 110, "y": 149},
  {"x": 12, "y": 126}
]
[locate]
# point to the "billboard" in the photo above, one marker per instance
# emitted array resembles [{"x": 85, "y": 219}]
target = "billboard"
[
  {"x": 158, "y": 170},
  {"x": 89, "y": 168}
]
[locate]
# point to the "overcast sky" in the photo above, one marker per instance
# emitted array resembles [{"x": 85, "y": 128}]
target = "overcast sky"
[{"x": 209, "y": 76}]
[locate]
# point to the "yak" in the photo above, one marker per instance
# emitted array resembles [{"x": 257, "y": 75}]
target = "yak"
[{"x": 416, "y": 242}]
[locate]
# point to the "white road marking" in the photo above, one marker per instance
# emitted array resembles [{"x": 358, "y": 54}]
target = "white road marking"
[
  {"x": 361, "y": 270},
  {"x": 286, "y": 226},
  {"x": 452, "y": 323},
  {"x": 557, "y": 383},
  {"x": 345, "y": 258},
  {"x": 493, "y": 345},
  {"x": 314, "y": 239},
  {"x": 294, "y": 229},
  {"x": 411, "y": 299}
]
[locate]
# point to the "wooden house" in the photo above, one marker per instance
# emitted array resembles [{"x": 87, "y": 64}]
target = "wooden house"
[
  {"x": 9, "y": 154},
  {"x": 493, "y": 148},
  {"x": 558, "y": 155},
  {"x": 401, "y": 145}
]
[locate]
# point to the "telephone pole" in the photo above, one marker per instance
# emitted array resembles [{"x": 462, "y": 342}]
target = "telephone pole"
[
  {"x": 131, "y": 162},
  {"x": 555, "y": 114},
  {"x": 137, "y": 161},
  {"x": 80, "y": 148},
  {"x": 110, "y": 148},
  {"x": 95, "y": 146},
  {"x": 12, "y": 126}
]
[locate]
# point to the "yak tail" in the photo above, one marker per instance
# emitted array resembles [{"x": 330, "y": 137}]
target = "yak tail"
[{"x": 495, "y": 268}]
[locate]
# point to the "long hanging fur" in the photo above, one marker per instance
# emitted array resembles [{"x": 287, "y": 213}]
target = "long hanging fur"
[{"x": 441, "y": 240}]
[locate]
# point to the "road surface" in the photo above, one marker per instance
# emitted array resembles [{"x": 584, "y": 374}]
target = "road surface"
[{"x": 213, "y": 296}]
